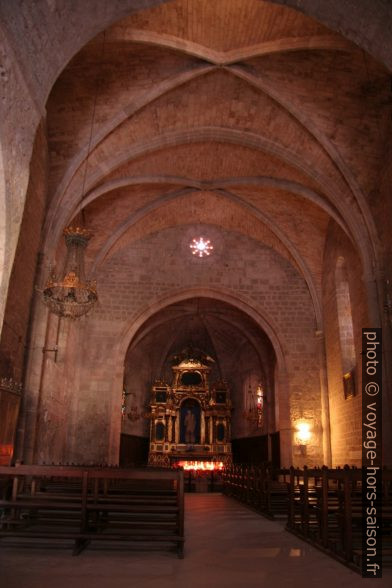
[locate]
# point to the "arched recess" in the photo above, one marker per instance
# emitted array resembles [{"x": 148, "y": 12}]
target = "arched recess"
[
  {"x": 238, "y": 347},
  {"x": 282, "y": 392}
]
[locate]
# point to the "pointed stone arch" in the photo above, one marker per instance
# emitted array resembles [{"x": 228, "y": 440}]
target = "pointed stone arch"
[{"x": 282, "y": 392}]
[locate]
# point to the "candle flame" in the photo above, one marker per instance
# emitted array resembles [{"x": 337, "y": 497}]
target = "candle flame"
[{"x": 205, "y": 466}]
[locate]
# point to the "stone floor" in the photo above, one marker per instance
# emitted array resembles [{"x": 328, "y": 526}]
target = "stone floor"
[{"x": 227, "y": 546}]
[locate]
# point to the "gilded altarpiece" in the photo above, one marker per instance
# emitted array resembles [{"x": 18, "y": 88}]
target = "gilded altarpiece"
[
  {"x": 190, "y": 421},
  {"x": 10, "y": 398}
]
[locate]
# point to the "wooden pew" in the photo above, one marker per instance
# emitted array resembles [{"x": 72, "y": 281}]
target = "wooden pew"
[
  {"x": 336, "y": 501},
  {"x": 323, "y": 506},
  {"x": 260, "y": 487},
  {"x": 144, "y": 506}
]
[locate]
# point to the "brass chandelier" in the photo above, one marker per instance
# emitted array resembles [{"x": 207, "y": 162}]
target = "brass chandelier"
[{"x": 72, "y": 296}]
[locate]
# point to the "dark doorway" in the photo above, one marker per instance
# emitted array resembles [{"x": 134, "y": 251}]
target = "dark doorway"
[
  {"x": 250, "y": 450},
  {"x": 133, "y": 451}
]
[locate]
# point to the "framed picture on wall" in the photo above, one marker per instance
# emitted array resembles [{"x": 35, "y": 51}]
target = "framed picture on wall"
[
  {"x": 160, "y": 396},
  {"x": 220, "y": 397},
  {"x": 349, "y": 384}
]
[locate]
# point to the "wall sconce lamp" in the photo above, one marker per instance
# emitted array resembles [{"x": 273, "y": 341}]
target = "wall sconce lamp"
[{"x": 303, "y": 435}]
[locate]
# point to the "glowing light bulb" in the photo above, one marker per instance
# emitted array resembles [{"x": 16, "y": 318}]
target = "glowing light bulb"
[{"x": 304, "y": 433}]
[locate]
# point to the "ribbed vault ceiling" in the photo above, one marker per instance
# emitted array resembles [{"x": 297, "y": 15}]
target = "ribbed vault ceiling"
[{"x": 237, "y": 113}]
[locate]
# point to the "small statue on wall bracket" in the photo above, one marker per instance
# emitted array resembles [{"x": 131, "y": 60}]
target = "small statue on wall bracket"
[{"x": 133, "y": 414}]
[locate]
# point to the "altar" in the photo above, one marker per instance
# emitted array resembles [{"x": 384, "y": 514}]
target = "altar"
[{"x": 190, "y": 420}]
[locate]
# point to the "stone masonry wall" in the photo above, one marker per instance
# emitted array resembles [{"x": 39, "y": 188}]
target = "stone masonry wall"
[
  {"x": 134, "y": 281},
  {"x": 17, "y": 311},
  {"x": 345, "y": 414}
]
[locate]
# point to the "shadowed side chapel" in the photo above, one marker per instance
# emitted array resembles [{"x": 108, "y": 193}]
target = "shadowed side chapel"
[{"x": 195, "y": 221}]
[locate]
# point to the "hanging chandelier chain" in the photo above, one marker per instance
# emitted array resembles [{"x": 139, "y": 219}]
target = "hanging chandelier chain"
[{"x": 97, "y": 84}]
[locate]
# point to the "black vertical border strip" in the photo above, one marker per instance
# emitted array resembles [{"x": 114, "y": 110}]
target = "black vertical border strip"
[{"x": 372, "y": 453}]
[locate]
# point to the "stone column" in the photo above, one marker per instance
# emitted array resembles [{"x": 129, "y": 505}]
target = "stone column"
[
  {"x": 282, "y": 416},
  {"x": 373, "y": 294},
  {"x": 43, "y": 338},
  {"x": 325, "y": 415}
]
